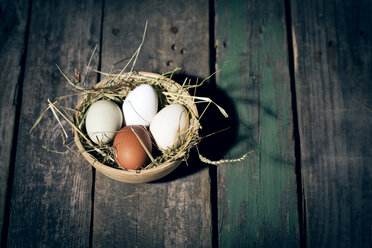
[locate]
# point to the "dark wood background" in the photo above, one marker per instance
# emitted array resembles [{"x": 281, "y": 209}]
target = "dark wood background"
[{"x": 295, "y": 77}]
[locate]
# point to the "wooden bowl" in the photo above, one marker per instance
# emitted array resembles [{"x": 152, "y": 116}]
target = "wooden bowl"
[{"x": 161, "y": 170}]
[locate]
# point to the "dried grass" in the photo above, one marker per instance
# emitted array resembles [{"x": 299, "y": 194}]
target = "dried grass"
[{"x": 115, "y": 87}]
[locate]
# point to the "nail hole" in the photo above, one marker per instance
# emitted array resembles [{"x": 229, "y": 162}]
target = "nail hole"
[
  {"x": 331, "y": 43},
  {"x": 225, "y": 44},
  {"x": 90, "y": 42},
  {"x": 174, "y": 29},
  {"x": 115, "y": 31},
  {"x": 363, "y": 34},
  {"x": 174, "y": 47},
  {"x": 170, "y": 62},
  {"x": 183, "y": 51}
]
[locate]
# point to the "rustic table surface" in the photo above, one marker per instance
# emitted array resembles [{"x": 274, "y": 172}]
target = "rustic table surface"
[{"x": 295, "y": 77}]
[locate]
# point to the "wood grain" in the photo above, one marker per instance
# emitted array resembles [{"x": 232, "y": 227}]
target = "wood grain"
[
  {"x": 13, "y": 15},
  {"x": 333, "y": 75},
  {"x": 257, "y": 198},
  {"x": 51, "y": 196},
  {"x": 174, "y": 212}
]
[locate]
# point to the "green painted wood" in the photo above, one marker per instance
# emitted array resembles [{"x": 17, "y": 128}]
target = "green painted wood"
[
  {"x": 257, "y": 198},
  {"x": 332, "y": 50},
  {"x": 13, "y": 15},
  {"x": 51, "y": 194},
  {"x": 176, "y": 211}
]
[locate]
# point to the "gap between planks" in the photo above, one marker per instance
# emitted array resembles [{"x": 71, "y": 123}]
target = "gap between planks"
[{"x": 296, "y": 133}]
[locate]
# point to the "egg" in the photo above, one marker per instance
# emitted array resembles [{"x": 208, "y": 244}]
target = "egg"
[
  {"x": 169, "y": 125},
  {"x": 140, "y": 105},
  {"x": 128, "y": 151},
  {"x": 103, "y": 119}
]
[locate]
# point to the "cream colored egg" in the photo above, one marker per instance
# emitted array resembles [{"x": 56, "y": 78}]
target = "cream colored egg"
[
  {"x": 140, "y": 105},
  {"x": 169, "y": 125},
  {"x": 103, "y": 119}
]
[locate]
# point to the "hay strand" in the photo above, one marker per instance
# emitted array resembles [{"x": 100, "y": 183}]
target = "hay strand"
[{"x": 223, "y": 161}]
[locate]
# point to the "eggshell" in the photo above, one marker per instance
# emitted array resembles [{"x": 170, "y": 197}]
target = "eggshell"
[
  {"x": 169, "y": 125},
  {"x": 128, "y": 151},
  {"x": 103, "y": 119},
  {"x": 140, "y": 105}
]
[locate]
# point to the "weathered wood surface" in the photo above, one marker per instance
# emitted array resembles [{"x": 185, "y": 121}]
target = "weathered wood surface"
[
  {"x": 57, "y": 200},
  {"x": 51, "y": 194},
  {"x": 257, "y": 198},
  {"x": 174, "y": 212},
  {"x": 332, "y": 51},
  {"x": 13, "y": 25}
]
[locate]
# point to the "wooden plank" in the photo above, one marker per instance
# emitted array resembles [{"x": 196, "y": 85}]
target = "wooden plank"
[
  {"x": 332, "y": 50},
  {"x": 14, "y": 15},
  {"x": 176, "y": 211},
  {"x": 257, "y": 198},
  {"x": 51, "y": 196}
]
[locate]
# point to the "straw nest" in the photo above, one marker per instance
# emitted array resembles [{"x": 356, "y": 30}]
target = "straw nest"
[{"x": 116, "y": 88}]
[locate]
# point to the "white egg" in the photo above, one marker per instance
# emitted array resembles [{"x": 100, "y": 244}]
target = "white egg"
[
  {"x": 103, "y": 119},
  {"x": 140, "y": 105},
  {"x": 169, "y": 125}
]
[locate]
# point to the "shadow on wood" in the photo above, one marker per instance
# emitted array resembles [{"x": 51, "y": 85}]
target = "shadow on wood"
[{"x": 218, "y": 133}]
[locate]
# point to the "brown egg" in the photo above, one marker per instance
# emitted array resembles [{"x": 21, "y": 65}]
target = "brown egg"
[{"x": 128, "y": 151}]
